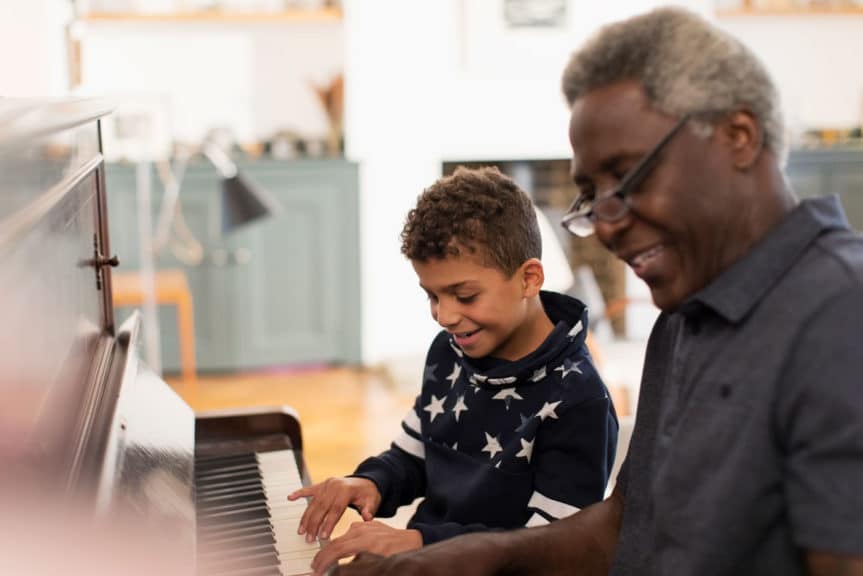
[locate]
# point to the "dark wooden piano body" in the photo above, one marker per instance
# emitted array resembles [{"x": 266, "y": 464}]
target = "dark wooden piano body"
[{"x": 87, "y": 432}]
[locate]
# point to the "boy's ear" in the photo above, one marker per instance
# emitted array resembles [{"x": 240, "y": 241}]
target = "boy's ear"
[{"x": 532, "y": 277}]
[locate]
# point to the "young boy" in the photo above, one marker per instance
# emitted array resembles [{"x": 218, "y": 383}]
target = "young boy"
[{"x": 513, "y": 426}]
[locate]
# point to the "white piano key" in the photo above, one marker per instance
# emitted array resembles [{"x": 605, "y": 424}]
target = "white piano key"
[
  {"x": 287, "y": 553},
  {"x": 296, "y": 567},
  {"x": 281, "y": 477},
  {"x": 273, "y": 475}
]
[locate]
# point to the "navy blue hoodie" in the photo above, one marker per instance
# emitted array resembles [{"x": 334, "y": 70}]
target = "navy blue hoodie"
[{"x": 494, "y": 444}]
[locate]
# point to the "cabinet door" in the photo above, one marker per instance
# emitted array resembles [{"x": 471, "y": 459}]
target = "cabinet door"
[
  {"x": 806, "y": 180},
  {"x": 824, "y": 172},
  {"x": 296, "y": 280},
  {"x": 208, "y": 279},
  {"x": 284, "y": 290},
  {"x": 122, "y": 214},
  {"x": 848, "y": 184}
]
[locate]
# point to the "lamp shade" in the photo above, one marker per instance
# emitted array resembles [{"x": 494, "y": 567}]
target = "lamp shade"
[{"x": 243, "y": 202}]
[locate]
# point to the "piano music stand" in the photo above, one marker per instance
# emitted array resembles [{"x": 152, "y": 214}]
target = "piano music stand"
[{"x": 171, "y": 287}]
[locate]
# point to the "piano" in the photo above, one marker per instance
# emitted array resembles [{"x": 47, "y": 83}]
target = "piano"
[{"x": 103, "y": 467}]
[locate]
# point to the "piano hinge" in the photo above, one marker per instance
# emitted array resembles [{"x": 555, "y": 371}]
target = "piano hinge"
[{"x": 98, "y": 261}]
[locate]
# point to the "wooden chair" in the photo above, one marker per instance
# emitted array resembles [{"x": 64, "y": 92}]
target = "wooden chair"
[{"x": 171, "y": 288}]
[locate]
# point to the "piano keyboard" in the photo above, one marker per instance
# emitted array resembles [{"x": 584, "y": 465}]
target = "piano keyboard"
[{"x": 246, "y": 525}]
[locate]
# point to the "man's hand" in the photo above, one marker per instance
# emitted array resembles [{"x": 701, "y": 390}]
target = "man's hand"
[
  {"x": 586, "y": 539},
  {"x": 469, "y": 555},
  {"x": 371, "y": 536},
  {"x": 329, "y": 500}
]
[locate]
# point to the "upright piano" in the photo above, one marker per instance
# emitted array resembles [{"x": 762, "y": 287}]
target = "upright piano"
[{"x": 98, "y": 453}]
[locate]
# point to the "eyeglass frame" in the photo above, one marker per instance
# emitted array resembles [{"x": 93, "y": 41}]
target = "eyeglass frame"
[{"x": 627, "y": 185}]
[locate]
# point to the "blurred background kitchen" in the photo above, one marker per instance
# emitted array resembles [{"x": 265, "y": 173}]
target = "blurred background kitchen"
[{"x": 327, "y": 119}]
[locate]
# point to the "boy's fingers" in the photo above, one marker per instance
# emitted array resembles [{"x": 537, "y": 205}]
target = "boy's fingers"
[
  {"x": 329, "y": 500},
  {"x": 333, "y": 514},
  {"x": 309, "y": 491},
  {"x": 324, "y": 522},
  {"x": 304, "y": 521},
  {"x": 312, "y": 517},
  {"x": 314, "y": 524}
]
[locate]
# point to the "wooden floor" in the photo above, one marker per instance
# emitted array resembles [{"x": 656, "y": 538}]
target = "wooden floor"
[{"x": 346, "y": 414}]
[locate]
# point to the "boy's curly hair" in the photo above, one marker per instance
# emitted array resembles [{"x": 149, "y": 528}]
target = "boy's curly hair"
[{"x": 481, "y": 211}]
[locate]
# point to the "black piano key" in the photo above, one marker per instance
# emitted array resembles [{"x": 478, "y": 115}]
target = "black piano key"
[
  {"x": 228, "y": 477},
  {"x": 240, "y": 467},
  {"x": 232, "y": 462},
  {"x": 246, "y": 504},
  {"x": 221, "y": 530},
  {"x": 227, "y": 481},
  {"x": 260, "y": 511},
  {"x": 218, "y": 555},
  {"x": 258, "y": 571},
  {"x": 240, "y": 540},
  {"x": 242, "y": 495},
  {"x": 229, "y": 564},
  {"x": 226, "y": 490},
  {"x": 202, "y": 462}
]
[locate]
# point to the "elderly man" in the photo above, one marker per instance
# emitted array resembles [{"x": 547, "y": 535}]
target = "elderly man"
[{"x": 747, "y": 454}]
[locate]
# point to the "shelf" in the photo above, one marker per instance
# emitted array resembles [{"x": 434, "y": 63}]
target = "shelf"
[
  {"x": 218, "y": 16},
  {"x": 813, "y": 11}
]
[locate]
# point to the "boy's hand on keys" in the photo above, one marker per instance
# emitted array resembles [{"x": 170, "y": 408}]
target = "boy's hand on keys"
[
  {"x": 329, "y": 500},
  {"x": 371, "y": 536}
]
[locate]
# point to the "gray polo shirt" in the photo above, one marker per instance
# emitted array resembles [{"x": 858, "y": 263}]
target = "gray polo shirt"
[{"x": 748, "y": 442}]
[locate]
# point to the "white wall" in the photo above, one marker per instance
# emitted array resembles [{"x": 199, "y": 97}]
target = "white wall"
[
  {"x": 397, "y": 61},
  {"x": 506, "y": 96},
  {"x": 445, "y": 80},
  {"x": 436, "y": 80},
  {"x": 253, "y": 78},
  {"x": 815, "y": 61},
  {"x": 32, "y": 48}
]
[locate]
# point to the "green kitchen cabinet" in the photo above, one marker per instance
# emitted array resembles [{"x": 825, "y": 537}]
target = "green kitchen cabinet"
[
  {"x": 279, "y": 291},
  {"x": 825, "y": 171}
]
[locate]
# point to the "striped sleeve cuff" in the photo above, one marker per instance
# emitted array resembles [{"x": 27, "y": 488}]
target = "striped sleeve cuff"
[
  {"x": 410, "y": 437},
  {"x": 536, "y": 520},
  {"x": 410, "y": 445},
  {"x": 550, "y": 508},
  {"x": 412, "y": 421}
]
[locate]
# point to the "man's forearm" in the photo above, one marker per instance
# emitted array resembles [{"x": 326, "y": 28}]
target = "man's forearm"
[
  {"x": 582, "y": 544},
  {"x": 828, "y": 564}
]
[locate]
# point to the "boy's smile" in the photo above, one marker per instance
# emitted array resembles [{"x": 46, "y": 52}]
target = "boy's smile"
[
  {"x": 487, "y": 313},
  {"x": 465, "y": 340}
]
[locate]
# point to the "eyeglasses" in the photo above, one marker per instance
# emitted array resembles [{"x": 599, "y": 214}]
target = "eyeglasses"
[{"x": 586, "y": 210}]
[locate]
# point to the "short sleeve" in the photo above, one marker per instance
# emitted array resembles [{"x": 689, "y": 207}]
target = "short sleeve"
[{"x": 820, "y": 428}]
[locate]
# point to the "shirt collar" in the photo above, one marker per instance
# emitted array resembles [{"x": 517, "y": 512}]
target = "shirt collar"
[{"x": 739, "y": 288}]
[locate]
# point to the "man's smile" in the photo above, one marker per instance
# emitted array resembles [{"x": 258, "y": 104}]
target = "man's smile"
[{"x": 641, "y": 261}]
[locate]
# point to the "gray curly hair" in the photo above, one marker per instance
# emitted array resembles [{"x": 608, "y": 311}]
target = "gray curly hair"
[{"x": 686, "y": 66}]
